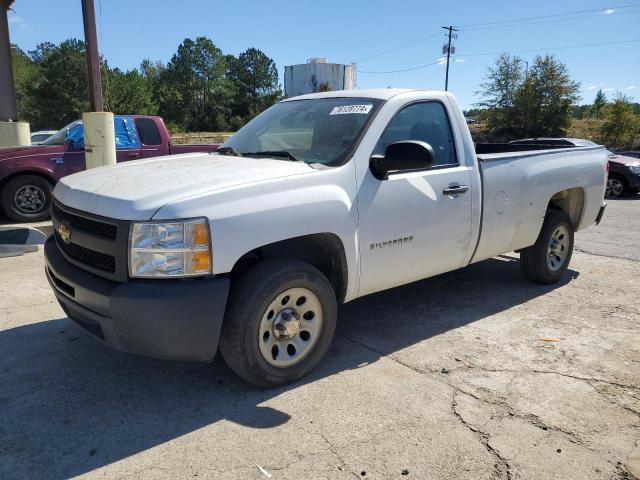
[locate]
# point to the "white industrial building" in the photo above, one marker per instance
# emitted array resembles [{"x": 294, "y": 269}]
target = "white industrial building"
[{"x": 318, "y": 75}]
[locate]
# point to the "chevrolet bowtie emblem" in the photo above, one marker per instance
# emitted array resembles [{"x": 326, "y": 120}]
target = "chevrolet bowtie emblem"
[{"x": 64, "y": 232}]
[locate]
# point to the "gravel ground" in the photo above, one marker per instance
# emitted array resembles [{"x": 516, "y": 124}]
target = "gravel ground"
[{"x": 446, "y": 378}]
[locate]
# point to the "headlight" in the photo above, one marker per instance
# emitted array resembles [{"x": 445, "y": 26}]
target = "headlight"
[
  {"x": 170, "y": 249},
  {"x": 635, "y": 169}
]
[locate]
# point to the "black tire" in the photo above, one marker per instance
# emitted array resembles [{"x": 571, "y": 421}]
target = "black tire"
[
  {"x": 40, "y": 190},
  {"x": 534, "y": 260},
  {"x": 622, "y": 191},
  {"x": 249, "y": 299}
]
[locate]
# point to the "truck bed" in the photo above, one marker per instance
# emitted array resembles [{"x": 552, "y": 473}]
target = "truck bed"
[
  {"x": 518, "y": 183},
  {"x": 498, "y": 148}
]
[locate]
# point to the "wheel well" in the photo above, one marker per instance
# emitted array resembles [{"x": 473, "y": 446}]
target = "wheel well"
[
  {"x": 322, "y": 250},
  {"x": 571, "y": 201},
  {"x": 619, "y": 176}
]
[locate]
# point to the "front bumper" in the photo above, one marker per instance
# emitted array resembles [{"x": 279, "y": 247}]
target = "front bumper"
[{"x": 174, "y": 319}]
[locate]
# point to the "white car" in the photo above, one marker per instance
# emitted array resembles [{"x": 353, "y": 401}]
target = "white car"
[
  {"x": 40, "y": 136},
  {"x": 319, "y": 200}
]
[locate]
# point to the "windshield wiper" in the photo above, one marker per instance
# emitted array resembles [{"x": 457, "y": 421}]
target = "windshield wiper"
[
  {"x": 274, "y": 153},
  {"x": 229, "y": 151}
]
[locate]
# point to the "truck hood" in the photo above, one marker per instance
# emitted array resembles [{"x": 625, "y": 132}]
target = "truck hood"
[
  {"x": 136, "y": 190},
  {"x": 11, "y": 153}
]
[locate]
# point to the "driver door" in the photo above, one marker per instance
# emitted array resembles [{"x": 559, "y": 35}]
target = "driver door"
[
  {"x": 73, "y": 159},
  {"x": 410, "y": 227}
]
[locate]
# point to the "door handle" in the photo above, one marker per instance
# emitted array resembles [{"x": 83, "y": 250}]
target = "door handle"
[
  {"x": 455, "y": 189},
  {"x": 132, "y": 155}
]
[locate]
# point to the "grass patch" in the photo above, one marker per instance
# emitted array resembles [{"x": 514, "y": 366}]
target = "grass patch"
[{"x": 181, "y": 138}]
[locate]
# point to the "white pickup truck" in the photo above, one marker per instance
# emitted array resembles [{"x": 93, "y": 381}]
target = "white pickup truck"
[{"x": 319, "y": 200}]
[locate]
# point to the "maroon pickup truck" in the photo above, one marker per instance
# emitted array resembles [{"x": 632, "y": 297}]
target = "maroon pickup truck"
[{"x": 28, "y": 174}]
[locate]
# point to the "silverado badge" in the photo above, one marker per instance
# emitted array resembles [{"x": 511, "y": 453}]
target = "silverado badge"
[{"x": 64, "y": 232}]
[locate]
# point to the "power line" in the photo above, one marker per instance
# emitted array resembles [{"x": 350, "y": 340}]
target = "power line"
[
  {"x": 399, "y": 47},
  {"x": 405, "y": 69},
  {"x": 514, "y": 22},
  {"x": 442, "y": 61},
  {"x": 556, "y": 20},
  {"x": 538, "y": 17},
  {"x": 584, "y": 45}
]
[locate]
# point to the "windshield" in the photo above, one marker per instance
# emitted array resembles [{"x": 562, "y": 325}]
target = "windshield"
[
  {"x": 70, "y": 132},
  {"x": 319, "y": 130}
]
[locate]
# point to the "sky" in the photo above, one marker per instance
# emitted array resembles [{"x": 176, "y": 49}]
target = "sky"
[{"x": 380, "y": 36}]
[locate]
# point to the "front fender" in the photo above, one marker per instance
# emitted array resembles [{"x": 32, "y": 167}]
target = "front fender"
[{"x": 248, "y": 217}]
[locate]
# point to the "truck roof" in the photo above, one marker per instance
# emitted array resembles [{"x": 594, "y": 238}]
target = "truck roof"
[{"x": 380, "y": 93}]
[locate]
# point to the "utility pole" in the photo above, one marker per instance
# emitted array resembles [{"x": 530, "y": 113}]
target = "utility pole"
[
  {"x": 93, "y": 61},
  {"x": 99, "y": 127},
  {"x": 448, "y": 48},
  {"x": 8, "y": 106},
  {"x": 12, "y": 132}
]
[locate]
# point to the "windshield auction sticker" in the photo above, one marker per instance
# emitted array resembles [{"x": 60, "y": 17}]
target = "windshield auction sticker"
[{"x": 344, "y": 109}]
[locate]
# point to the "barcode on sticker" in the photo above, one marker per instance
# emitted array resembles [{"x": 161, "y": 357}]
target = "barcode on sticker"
[{"x": 344, "y": 109}]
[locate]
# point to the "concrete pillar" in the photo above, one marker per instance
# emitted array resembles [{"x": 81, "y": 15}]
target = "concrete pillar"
[
  {"x": 99, "y": 139},
  {"x": 14, "y": 134},
  {"x": 8, "y": 107}
]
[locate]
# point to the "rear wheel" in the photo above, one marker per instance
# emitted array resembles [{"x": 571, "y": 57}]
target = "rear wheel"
[
  {"x": 547, "y": 260},
  {"x": 280, "y": 321},
  {"x": 27, "y": 198}
]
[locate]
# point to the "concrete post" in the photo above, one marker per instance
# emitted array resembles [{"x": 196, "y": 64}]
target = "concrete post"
[
  {"x": 99, "y": 139},
  {"x": 99, "y": 133},
  {"x": 8, "y": 105},
  {"x": 12, "y": 132}
]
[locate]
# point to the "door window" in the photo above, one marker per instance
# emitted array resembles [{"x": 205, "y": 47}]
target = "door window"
[
  {"x": 149, "y": 133},
  {"x": 427, "y": 122}
]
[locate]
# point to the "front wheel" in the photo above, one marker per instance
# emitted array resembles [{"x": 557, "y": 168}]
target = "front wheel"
[
  {"x": 27, "y": 198},
  {"x": 280, "y": 320},
  {"x": 547, "y": 260},
  {"x": 615, "y": 187}
]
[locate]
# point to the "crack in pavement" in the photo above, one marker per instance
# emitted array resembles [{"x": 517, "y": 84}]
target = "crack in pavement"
[
  {"x": 501, "y": 467},
  {"x": 587, "y": 252},
  {"x": 544, "y": 372},
  {"x": 333, "y": 450},
  {"x": 528, "y": 417}
]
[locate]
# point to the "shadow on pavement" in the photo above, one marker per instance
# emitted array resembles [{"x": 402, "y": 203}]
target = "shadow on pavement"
[{"x": 68, "y": 405}]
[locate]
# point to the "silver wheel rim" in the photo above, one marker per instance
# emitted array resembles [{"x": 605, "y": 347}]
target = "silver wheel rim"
[
  {"x": 290, "y": 327},
  {"x": 30, "y": 199},
  {"x": 558, "y": 248},
  {"x": 614, "y": 187}
]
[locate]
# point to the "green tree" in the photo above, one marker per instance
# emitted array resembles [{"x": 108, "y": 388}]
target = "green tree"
[
  {"x": 598, "y": 104},
  {"x": 255, "y": 82},
  {"x": 24, "y": 73},
  {"x": 537, "y": 104},
  {"x": 545, "y": 100},
  {"x": 59, "y": 92},
  {"x": 621, "y": 125},
  {"x": 499, "y": 91},
  {"x": 129, "y": 93},
  {"x": 193, "y": 91}
]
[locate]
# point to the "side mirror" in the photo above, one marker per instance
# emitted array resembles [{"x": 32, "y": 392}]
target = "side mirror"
[
  {"x": 403, "y": 156},
  {"x": 76, "y": 143}
]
